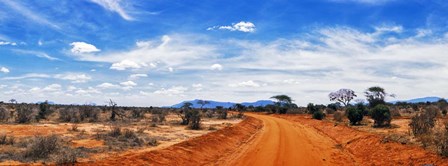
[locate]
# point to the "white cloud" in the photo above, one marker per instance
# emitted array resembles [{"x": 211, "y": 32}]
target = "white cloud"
[
  {"x": 114, "y": 6},
  {"x": 26, "y": 76},
  {"x": 127, "y": 64},
  {"x": 128, "y": 83},
  {"x": 136, "y": 76},
  {"x": 241, "y": 26},
  {"x": 216, "y": 67},
  {"x": 385, "y": 28},
  {"x": 74, "y": 77},
  {"x": 197, "y": 87},
  {"x": 36, "y": 53},
  {"x": 249, "y": 83},
  {"x": 168, "y": 51},
  {"x": 82, "y": 47},
  {"x": 170, "y": 69},
  {"x": 107, "y": 85},
  {"x": 2, "y": 43},
  {"x": 4, "y": 70},
  {"x": 173, "y": 91},
  {"x": 30, "y": 14},
  {"x": 371, "y": 2}
]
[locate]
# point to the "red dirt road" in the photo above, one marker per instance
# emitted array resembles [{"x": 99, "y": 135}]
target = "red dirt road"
[{"x": 282, "y": 142}]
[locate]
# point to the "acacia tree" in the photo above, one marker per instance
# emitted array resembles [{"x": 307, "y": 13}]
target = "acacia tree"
[
  {"x": 202, "y": 103},
  {"x": 343, "y": 96},
  {"x": 376, "y": 95},
  {"x": 283, "y": 103},
  {"x": 184, "y": 113}
]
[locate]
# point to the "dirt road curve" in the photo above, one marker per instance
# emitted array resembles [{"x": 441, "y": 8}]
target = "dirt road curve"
[{"x": 282, "y": 142}]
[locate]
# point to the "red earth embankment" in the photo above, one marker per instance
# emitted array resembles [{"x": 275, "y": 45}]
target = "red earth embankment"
[
  {"x": 202, "y": 150},
  {"x": 368, "y": 148}
]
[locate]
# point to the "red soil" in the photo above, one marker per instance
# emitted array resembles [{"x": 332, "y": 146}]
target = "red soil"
[{"x": 200, "y": 150}]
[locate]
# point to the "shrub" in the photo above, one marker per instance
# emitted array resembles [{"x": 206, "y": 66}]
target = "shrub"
[
  {"x": 88, "y": 112},
  {"x": 195, "y": 120},
  {"x": 354, "y": 115},
  {"x": 311, "y": 108},
  {"x": 41, "y": 147},
  {"x": 5, "y": 140},
  {"x": 222, "y": 114},
  {"x": 137, "y": 113},
  {"x": 24, "y": 114},
  {"x": 444, "y": 112},
  {"x": 423, "y": 123},
  {"x": 4, "y": 114},
  {"x": 319, "y": 115},
  {"x": 338, "y": 116},
  {"x": 114, "y": 132},
  {"x": 44, "y": 110},
  {"x": 69, "y": 114},
  {"x": 381, "y": 115},
  {"x": 442, "y": 142},
  {"x": 67, "y": 156}
]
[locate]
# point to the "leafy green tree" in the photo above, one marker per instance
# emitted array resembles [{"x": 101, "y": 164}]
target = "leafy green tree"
[
  {"x": 381, "y": 115},
  {"x": 376, "y": 95},
  {"x": 283, "y": 103},
  {"x": 355, "y": 115},
  {"x": 202, "y": 103},
  {"x": 311, "y": 108},
  {"x": 44, "y": 110}
]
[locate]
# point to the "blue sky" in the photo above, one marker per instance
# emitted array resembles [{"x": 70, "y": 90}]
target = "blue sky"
[{"x": 160, "y": 52}]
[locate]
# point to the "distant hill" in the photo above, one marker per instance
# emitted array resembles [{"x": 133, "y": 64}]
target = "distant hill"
[
  {"x": 419, "y": 100},
  {"x": 213, "y": 104}
]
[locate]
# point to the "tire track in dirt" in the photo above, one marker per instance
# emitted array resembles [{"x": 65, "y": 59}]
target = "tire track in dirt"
[{"x": 282, "y": 142}]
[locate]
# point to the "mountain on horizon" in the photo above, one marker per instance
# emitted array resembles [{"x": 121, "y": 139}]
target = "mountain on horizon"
[
  {"x": 213, "y": 104},
  {"x": 419, "y": 100}
]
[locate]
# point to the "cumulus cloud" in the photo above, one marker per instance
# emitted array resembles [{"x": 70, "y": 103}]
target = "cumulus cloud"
[
  {"x": 173, "y": 91},
  {"x": 107, "y": 85},
  {"x": 127, "y": 64},
  {"x": 197, "y": 87},
  {"x": 4, "y": 70},
  {"x": 114, "y": 6},
  {"x": 249, "y": 83},
  {"x": 241, "y": 26},
  {"x": 128, "y": 83},
  {"x": 136, "y": 76},
  {"x": 74, "y": 77},
  {"x": 3, "y": 43},
  {"x": 216, "y": 67},
  {"x": 82, "y": 47},
  {"x": 167, "y": 51}
]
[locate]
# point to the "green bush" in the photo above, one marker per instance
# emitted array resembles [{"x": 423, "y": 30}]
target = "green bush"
[
  {"x": 354, "y": 115},
  {"x": 319, "y": 115},
  {"x": 381, "y": 115}
]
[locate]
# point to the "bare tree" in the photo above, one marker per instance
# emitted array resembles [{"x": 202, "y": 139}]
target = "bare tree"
[{"x": 343, "y": 96}]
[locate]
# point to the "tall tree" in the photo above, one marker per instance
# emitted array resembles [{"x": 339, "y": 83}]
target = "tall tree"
[
  {"x": 202, "y": 103},
  {"x": 343, "y": 96},
  {"x": 376, "y": 95},
  {"x": 283, "y": 103}
]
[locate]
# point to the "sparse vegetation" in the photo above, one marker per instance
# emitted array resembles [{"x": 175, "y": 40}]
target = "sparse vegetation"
[
  {"x": 423, "y": 122},
  {"x": 24, "y": 113},
  {"x": 338, "y": 116}
]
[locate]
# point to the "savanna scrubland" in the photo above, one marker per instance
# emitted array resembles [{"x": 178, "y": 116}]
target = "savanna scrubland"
[{"x": 341, "y": 133}]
